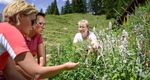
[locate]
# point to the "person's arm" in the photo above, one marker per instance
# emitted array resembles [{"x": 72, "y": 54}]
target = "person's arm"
[
  {"x": 22, "y": 72},
  {"x": 10, "y": 71},
  {"x": 93, "y": 36},
  {"x": 94, "y": 41},
  {"x": 18, "y": 50},
  {"x": 41, "y": 54},
  {"x": 76, "y": 38},
  {"x": 40, "y": 51},
  {"x": 27, "y": 62}
]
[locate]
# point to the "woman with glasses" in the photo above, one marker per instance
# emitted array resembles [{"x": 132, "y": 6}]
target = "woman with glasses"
[
  {"x": 34, "y": 39},
  {"x": 22, "y": 17}
]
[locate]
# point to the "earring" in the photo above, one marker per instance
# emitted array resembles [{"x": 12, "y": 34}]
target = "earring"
[{"x": 17, "y": 19}]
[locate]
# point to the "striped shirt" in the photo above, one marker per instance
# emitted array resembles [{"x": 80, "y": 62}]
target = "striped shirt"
[{"x": 12, "y": 43}]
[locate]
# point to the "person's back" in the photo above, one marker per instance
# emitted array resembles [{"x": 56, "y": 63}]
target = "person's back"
[{"x": 10, "y": 42}]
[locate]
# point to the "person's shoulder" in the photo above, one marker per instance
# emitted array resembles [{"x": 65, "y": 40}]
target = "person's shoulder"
[
  {"x": 78, "y": 33},
  {"x": 9, "y": 30},
  {"x": 92, "y": 33},
  {"x": 6, "y": 26},
  {"x": 38, "y": 35}
]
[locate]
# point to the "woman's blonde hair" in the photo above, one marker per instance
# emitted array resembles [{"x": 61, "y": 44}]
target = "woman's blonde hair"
[
  {"x": 83, "y": 21},
  {"x": 18, "y": 6}
]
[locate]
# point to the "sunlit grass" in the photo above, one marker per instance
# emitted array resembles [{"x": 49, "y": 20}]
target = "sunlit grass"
[
  {"x": 60, "y": 28},
  {"x": 124, "y": 50}
]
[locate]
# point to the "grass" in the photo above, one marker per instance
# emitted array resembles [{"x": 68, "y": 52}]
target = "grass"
[
  {"x": 124, "y": 50},
  {"x": 60, "y": 28}
]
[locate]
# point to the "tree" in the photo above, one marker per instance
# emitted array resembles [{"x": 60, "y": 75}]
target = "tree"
[
  {"x": 109, "y": 8},
  {"x": 79, "y": 6},
  {"x": 88, "y": 6},
  {"x": 41, "y": 11},
  {"x": 97, "y": 6},
  {"x": 62, "y": 11},
  {"x": 56, "y": 12},
  {"x": 67, "y": 8},
  {"x": 48, "y": 10},
  {"x": 53, "y": 9},
  {"x": 114, "y": 8}
]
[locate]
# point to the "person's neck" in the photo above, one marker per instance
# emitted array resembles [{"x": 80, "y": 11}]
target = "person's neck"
[
  {"x": 32, "y": 34},
  {"x": 85, "y": 35},
  {"x": 20, "y": 29}
]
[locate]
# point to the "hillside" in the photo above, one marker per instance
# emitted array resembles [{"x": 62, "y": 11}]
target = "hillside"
[
  {"x": 124, "y": 52},
  {"x": 60, "y": 28}
]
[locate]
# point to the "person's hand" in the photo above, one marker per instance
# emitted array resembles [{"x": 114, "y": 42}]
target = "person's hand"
[
  {"x": 41, "y": 61},
  {"x": 70, "y": 65},
  {"x": 40, "y": 64},
  {"x": 95, "y": 44}
]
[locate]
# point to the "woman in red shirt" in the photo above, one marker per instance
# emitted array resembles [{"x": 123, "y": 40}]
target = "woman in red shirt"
[
  {"x": 12, "y": 44},
  {"x": 35, "y": 39}
]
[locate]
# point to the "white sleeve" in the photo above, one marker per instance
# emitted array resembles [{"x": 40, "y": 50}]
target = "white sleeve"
[
  {"x": 93, "y": 37},
  {"x": 77, "y": 38},
  {"x": 94, "y": 42}
]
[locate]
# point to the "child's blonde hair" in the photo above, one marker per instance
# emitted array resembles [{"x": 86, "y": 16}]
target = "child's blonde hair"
[{"x": 83, "y": 21}]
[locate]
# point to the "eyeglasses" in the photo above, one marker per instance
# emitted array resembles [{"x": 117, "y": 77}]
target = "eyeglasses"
[{"x": 41, "y": 23}]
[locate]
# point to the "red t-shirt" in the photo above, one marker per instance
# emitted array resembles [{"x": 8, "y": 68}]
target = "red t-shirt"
[
  {"x": 12, "y": 43},
  {"x": 33, "y": 43}
]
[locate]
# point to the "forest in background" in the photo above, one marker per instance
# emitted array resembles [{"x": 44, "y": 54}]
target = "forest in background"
[{"x": 111, "y": 8}]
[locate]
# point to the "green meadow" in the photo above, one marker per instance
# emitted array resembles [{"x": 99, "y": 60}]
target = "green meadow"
[
  {"x": 60, "y": 28},
  {"x": 123, "y": 54}
]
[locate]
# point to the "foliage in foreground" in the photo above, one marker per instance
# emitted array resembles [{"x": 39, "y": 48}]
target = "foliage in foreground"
[{"x": 123, "y": 53}]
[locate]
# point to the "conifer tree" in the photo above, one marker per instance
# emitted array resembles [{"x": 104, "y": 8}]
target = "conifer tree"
[
  {"x": 56, "y": 12},
  {"x": 67, "y": 8},
  {"x": 48, "y": 10},
  {"x": 79, "y": 6},
  {"x": 97, "y": 6},
  {"x": 53, "y": 9},
  {"x": 41, "y": 11},
  {"x": 62, "y": 11}
]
